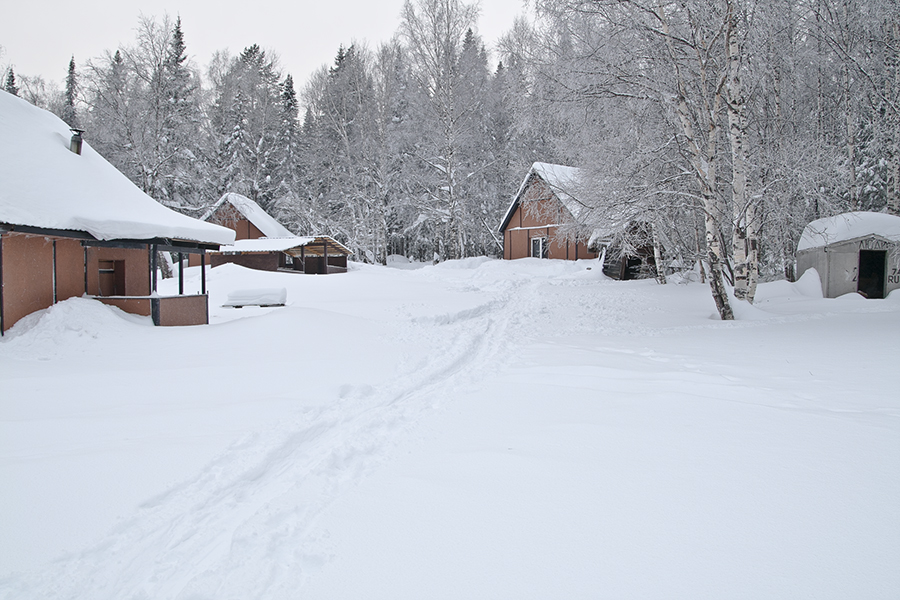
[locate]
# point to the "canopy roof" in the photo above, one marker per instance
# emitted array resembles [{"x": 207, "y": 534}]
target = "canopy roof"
[
  {"x": 849, "y": 226},
  {"x": 253, "y": 212},
  {"x": 561, "y": 179},
  {"x": 293, "y": 245},
  {"x": 44, "y": 185}
]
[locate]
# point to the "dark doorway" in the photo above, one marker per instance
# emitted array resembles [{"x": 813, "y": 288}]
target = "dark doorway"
[
  {"x": 112, "y": 278},
  {"x": 871, "y": 273}
]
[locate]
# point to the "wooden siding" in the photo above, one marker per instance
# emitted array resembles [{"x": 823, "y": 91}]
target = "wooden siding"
[
  {"x": 228, "y": 216},
  {"x": 27, "y": 275},
  {"x": 32, "y": 280},
  {"x": 539, "y": 218}
]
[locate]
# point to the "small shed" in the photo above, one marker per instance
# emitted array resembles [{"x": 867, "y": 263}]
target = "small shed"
[
  {"x": 853, "y": 252},
  {"x": 313, "y": 255},
  {"x": 73, "y": 225},
  {"x": 543, "y": 219},
  {"x": 626, "y": 249}
]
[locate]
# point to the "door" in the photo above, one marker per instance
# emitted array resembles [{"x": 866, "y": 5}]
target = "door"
[
  {"x": 539, "y": 247},
  {"x": 871, "y": 273}
]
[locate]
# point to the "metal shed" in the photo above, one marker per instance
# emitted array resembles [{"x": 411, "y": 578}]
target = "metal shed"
[{"x": 855, "y": 252}]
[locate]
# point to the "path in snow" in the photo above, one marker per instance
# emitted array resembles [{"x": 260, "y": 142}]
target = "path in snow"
[{"x": 617, "y": 422}]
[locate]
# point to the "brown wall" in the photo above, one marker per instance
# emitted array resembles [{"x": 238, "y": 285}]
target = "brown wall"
[
  {"x": 532, "y": 221},
  {"x": 193, "y": 260},
  {"x": 261, "y": 261},
  {"x": 27, "y": 275},
  {"x": 137, "y": 269},
  {"x": 228, "y": 216},
  {"x": 27, "y": 280},
  {"x": 183, "y": 310},
  {"x": 69, "y": 269},
  {"x": 135, "y": 306}
]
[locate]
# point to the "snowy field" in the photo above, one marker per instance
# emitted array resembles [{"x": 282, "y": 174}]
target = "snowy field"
[{"x": 477, "y": 429}]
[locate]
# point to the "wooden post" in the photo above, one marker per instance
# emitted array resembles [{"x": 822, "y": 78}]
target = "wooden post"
[
  {"x": 325, "y": 256},
  {"x": 2, "y": 324},
  {"x": 180, "y": 274},
  {"x": 203, "y": 273},
  {"x": 54, "y": 272},
  {"x": 153, "y": 259}
]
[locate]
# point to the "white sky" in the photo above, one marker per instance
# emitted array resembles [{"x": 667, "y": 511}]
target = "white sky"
[{"x": 38, "y": 39}]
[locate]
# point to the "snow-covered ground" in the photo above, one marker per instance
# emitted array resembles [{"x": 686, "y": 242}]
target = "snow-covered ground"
[{"x": 477, "y": 429}]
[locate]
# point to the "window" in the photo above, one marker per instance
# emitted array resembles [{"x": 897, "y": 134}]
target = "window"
[{"x": 539, "y": 247}]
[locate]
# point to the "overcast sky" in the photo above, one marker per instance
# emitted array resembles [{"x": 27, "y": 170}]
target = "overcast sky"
[{"x": 37, "y": 38}]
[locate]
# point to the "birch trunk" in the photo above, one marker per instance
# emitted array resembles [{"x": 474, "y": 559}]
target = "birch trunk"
[
  {"x": 893, "y": 199},
  {"x": 702, "y": 158},
  {"x": 744, "y": 237},
  {"x": 658, "y": 257}
]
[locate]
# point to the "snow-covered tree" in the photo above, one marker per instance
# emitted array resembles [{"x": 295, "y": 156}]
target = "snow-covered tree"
[{"x": 9, "y": 83}]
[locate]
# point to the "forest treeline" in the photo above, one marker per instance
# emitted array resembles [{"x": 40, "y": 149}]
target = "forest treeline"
[{"x": 721, "y": 126}]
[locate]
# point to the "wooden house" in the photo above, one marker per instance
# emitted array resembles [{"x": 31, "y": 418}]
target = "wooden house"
[
  {"x": 547, "y": 220},
  {"x": 264, "y": 244},
  {"x": 853, "y": 252},
  {"x": 73, "y": 225},
  {"x": 543, "y": 219}
]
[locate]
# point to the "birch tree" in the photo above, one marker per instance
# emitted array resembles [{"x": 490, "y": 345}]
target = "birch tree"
[{"x": 434, "y": 31}]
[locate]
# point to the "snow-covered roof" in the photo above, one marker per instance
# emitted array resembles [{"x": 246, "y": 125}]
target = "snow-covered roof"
[
  {"x": 849, "y": 226},
  {"x": 561, "y": 179},
  {"x": 45, "y": 185},
  {"x": 287, "y": 244},
  {"x": 267, "y": 244},
  {"x": 253, "y": 212}
]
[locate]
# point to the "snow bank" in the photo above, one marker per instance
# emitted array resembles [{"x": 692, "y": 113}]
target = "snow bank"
[
  {"x": 46, "y": 185},
  {"x": 487, "y": 429},
  {"x": 70, "y": 323}
]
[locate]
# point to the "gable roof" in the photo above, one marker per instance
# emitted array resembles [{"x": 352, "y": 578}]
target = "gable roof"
[
  {"x": 849, "y": 226},
  {"x": 253, "y": 212},
  {"x": 562, "y": 180},
  {"x": 46, "y": 186}
]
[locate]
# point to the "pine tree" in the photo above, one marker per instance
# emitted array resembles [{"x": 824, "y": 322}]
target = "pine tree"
[
  {"x": 68, "y": 111},
  {"x": 10, "y": 83}
]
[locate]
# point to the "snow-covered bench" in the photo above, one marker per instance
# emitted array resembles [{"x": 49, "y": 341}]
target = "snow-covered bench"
[{"x": 261, "y": 297}]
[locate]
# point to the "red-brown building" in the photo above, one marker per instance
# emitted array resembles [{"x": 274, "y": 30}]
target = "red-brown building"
[
  {"x": 542, "y": 221},
  {"x": 264, "y": 244},
  {"x": 72, "y": 225},
  {"x": 320, "y": 255}
]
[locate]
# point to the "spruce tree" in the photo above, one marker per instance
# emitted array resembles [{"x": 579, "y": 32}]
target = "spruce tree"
[
  {"x": 68, "y": 112},
  {"x": 10, "y": 83}
]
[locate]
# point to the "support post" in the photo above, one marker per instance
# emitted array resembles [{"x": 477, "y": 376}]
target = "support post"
[
  {"x": 153, "y": 259},
  {"x": 2, "y": 323},
  {"x": 55, "y": 296},
  {"x": 325, "y": 257},
  {"x": 203, "y": 274},
  {"x": 180, "y": 273}
]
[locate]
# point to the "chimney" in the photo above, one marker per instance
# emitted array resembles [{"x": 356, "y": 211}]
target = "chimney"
[{"x": 75, "y": 144}]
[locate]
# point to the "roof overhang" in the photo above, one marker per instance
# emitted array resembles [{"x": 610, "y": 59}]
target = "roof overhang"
[{"x": 163, "y": 244}]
